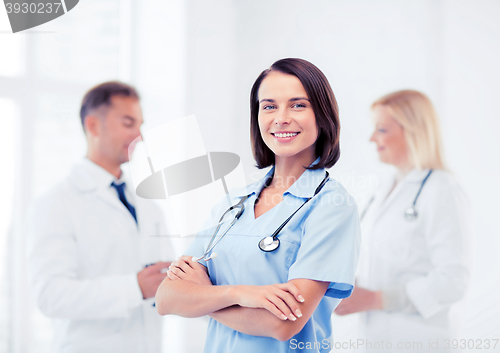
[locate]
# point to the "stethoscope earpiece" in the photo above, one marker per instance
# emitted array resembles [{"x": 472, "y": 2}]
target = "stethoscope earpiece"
[{"x": 212, "y": 256}]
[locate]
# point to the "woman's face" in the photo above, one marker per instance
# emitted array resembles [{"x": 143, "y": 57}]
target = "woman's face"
[
  {"x": 286, "y": 118},
  {"x": 389, "y": 137}
]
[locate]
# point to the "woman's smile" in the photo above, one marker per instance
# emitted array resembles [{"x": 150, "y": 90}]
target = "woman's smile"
[{"x": 284, "y": 136}]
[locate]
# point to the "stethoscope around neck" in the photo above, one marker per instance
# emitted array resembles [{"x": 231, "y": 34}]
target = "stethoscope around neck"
[
  {"x": 410, "y": 212},
  {"x": 267, "y": 244}
]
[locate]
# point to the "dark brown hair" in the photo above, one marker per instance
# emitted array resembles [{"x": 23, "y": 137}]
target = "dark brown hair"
[
  {"x": 324, "y": 106},
  {"x": 101, "y": 95}
]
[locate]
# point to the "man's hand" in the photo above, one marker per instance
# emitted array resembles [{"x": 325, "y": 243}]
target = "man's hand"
[
  {"x": 187, "y": 269},
  {"x": 150, "y": 278}
]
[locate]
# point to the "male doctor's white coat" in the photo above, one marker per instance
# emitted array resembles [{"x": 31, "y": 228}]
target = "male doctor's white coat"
[
  {"x": 84, "y": 252},
  {"x": 421, "y": 266}
]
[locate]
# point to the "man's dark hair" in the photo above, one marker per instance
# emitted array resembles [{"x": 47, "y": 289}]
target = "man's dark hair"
[
  {"x": 324, "y": 105},
  {"x": 100, "y": 95}
]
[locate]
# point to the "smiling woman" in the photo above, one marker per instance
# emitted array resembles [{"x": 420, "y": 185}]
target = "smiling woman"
[
  {"x": 263, "y": 292},
  {"x": 286, "y": 115},
  {"x": 308, "y": 92}
]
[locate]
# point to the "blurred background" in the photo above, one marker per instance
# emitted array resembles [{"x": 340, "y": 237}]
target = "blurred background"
[{"x": 201, "y": 57}]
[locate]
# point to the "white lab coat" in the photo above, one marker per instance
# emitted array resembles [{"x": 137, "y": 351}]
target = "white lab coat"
[
  {"x": 421, "y": 266},
  {"x": 84, "y": 253}
]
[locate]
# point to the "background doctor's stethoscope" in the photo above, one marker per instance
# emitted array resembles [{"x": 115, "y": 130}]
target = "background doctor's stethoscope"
[{"x": 410, "y": 213}]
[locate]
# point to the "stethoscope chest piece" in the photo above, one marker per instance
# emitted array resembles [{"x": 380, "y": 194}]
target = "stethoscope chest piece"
[
  {"x": 269, "y": 244},
  {"x": 410, "y": 214}
]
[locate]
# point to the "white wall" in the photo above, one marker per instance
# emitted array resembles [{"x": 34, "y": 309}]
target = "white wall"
[
  {"x": 471, "y": 123},
  {"x": 365, "y": 48}
]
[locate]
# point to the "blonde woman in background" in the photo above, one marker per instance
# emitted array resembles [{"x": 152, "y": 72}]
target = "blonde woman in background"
[{"x": 413, "y": 263}]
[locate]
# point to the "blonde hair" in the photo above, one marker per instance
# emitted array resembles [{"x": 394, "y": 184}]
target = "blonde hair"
[{"x": 414, "y": 111}]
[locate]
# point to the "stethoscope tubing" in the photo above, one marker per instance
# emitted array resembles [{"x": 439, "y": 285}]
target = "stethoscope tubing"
[
  {"x": 211, "y": 246},
  {"x": 318, "y": 189},
  {"x": 238, "y": 215},
  {"x": 240, "y": 204},
  {"x": 421, "y": 187},
  {"x": 414, "y": 201}
]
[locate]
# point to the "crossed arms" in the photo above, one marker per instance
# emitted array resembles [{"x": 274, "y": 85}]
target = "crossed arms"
[{"x": 280, "y": 310}]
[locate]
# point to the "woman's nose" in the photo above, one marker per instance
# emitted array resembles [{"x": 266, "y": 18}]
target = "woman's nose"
[{"x": 282, "y": 117}]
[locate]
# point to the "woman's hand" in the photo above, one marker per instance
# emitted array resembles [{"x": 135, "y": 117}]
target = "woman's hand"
[
  {"x": 187, "y": 269},
  {"x": 360, "y": 300},
  {"x": 280, "y": 299}
]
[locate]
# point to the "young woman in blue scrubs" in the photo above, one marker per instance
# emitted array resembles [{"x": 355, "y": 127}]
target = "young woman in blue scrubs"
[{"x": 282, "y": 300}]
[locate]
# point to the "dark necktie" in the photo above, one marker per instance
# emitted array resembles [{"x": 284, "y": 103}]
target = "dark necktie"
[{"x": 120, "y": 189}]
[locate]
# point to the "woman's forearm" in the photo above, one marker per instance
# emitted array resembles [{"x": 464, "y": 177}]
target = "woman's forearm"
[
  {"x": 266, "y": 310},
  {"x": 261, "y": 322},
  {"x": 188, "y": 299},
  {"x": 252, "y": 321}
]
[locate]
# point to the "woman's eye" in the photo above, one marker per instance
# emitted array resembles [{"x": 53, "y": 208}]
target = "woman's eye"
[
  {"x": 268, "y": 107},
  {"x": 382, "y": 130},
  {"x": 299, "y": 105}
]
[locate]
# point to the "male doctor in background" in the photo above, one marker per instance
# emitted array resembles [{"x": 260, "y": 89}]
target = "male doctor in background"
[{"x": 90, "y": 240}]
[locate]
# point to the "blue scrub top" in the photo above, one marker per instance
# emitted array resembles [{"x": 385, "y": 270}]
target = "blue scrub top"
[{"x": 320, "y": 242}]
